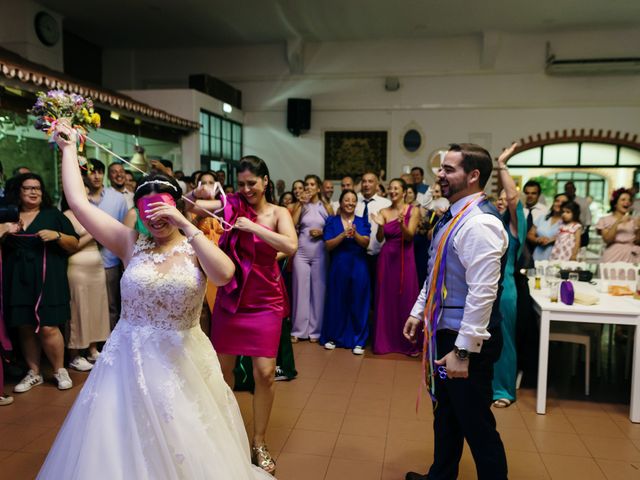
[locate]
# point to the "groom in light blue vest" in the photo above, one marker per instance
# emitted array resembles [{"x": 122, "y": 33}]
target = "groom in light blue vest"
[{"x": 468, "y": 335}]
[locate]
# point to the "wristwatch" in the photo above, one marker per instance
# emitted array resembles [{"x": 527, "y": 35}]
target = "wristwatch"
[{"x": 461, "y": 353}]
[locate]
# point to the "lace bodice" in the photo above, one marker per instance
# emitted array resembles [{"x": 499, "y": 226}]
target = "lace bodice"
[{"x": 164, "y": 291}]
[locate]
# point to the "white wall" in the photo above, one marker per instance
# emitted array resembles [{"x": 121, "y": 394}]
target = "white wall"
[
  {"x": 17, "y": 33},
  {"x": 490, "y": 89}
]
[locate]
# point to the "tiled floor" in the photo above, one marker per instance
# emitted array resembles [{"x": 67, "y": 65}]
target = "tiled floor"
[{"x": 349, "y": 418}]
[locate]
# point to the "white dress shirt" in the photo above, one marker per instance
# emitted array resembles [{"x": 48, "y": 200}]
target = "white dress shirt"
[
  {"x": 537, "y": 210},
  {"x": 376, "y": 204},
  {"x": 480, "y": 244}
]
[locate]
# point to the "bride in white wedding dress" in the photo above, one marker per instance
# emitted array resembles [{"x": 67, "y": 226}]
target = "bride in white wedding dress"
[{"x": 155, "y": 405}]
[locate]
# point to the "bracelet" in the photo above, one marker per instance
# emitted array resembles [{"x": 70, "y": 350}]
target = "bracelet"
[
  {"x": 59, "y": 236},
  {"x": 502, "y": 168},
  {"x": 191, "y": 237}
]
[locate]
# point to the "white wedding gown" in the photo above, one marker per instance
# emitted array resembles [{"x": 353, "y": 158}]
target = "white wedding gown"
[{"x": 155, "y": 405}]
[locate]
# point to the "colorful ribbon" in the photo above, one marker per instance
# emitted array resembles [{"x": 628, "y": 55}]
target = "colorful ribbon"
[{"x": 435, "y": 297}]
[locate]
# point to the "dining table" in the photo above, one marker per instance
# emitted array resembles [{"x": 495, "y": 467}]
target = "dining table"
[{"x": 616, "y": 310}]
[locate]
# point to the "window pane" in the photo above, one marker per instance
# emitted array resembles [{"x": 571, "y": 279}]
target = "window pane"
[
  {"x": 237, "y": 133},
  {"x": 204, "y": 134},
  {"x": 596, "y": 190},
  {"x": 560, "y": 155},
  {"x": 226, "y": 149},
  {"x": 526, "y": 158},
  {"x": 215, "y": 127},
  {"x": 237, "y": 151},
  {"x": 598, "y": 154},
  {"x": 204, "y": 145},
  {"x": 215, "y": 147},
  {"x": 581, "y": 188},
  {"x": 564, "y": 175},
  {"x": 204, "y": 120},
  {"x": 226, "y": 130},
  {"x": 579, "y": 175},
  {"x": 629, "y": 156}
]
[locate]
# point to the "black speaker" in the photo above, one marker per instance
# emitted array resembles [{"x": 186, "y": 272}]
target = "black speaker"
[{"x": 298, "y": 115}]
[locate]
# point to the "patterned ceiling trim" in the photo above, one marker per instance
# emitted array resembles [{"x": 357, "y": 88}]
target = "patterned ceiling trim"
[{"x": 35, "y": 80}]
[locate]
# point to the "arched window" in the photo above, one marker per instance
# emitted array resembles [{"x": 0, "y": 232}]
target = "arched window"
[{"x": 596, "y": 163}]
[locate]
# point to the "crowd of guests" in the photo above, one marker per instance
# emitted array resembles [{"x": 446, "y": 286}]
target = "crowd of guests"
[{"x": 361, "y": 261}]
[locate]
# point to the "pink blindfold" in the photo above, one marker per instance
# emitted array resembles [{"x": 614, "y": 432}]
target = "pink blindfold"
[{"x": 143, "y": 203}]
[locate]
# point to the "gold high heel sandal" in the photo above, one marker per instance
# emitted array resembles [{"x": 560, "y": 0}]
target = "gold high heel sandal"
[{"x": 261, "y": 457}]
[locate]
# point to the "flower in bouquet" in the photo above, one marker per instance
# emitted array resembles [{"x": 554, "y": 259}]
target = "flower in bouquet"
[{"x": 55, "y": 105}]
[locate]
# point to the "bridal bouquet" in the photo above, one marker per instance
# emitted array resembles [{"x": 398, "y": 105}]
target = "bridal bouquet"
[{"x": 54, "y": 105}]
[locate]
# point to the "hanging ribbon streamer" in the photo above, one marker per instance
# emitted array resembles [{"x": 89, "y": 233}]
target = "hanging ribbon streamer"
[{"x": 436, "y": 294}]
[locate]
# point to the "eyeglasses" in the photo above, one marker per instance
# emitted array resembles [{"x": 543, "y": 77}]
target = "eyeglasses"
[{"x": 31, "y": 189}]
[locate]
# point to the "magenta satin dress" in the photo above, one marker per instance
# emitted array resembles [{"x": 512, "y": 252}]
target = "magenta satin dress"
[
  {"x": 247, "y": 316},
  {"x": 396, "y": 292}
]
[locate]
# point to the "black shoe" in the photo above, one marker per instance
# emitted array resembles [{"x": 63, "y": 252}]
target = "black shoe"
[
  {"x": 282, "y": 376},
  {"x": 415, "y": 476}
]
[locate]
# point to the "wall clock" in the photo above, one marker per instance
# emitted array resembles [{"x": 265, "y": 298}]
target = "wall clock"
[{"x": 47, "y": 29}]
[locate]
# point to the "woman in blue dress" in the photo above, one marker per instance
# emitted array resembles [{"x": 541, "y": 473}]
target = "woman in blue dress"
[
  {"x": 510, "y": 207},
  {"x": 347, "y": 303}
]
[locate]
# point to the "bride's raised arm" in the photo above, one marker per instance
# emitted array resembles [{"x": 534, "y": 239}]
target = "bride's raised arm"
[{"x": 109, "y": 232}]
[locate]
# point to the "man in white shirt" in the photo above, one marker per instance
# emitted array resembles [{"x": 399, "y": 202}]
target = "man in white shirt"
[
  {"x": 468, "y": 335},
  {"x": 369, "y": 204},
  {"x": 118, "y": 182}
]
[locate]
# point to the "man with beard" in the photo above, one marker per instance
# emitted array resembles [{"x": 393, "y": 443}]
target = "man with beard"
[
  {"x": 118, "y": 181},
  {"x": 467, "y": 335},
  {"x": 112, "y": 202}
]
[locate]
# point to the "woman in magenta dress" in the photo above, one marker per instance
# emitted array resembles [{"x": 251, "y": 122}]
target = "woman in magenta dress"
[
  {"x": 397, "y": 283},
  {"x": 248, "y": 313}
]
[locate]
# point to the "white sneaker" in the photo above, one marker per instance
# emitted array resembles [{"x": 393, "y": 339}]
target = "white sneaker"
[
  {"x": 30, "y": 380},
  {"x": 64, "y": 381},
  {"x": 5, "y": 400},
  {"x": 330, "y": 345},
  {"x": 81, "y": 364},
  {"x": 358, "y": 350}
]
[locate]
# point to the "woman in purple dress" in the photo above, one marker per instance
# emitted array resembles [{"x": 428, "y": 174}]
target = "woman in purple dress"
[
  {"x": 310, "y": 263},
  {"x": 397, "y": 283}
]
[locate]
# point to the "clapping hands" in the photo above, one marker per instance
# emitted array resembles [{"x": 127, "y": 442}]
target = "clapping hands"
[
  {"x": 350, "y": 231},
  {"x": 377, "y": 218}
]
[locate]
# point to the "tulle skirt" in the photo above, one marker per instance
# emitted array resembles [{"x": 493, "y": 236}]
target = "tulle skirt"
[{"x": 156, "y": 407}]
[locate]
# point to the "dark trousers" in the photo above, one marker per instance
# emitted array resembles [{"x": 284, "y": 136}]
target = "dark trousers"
[{"x": 463, "y": 411}]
